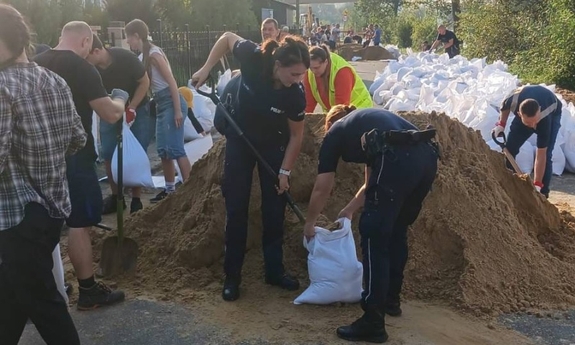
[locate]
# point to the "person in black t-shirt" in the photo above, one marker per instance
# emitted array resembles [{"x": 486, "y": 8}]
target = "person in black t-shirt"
[
  {"x": 68, "y": 61},
  {"x": 270, "y": 113},
  {"x": 449, "y": 40},
  {"x": 398, "y": 177},
  {"x": 121, "y": 69}
]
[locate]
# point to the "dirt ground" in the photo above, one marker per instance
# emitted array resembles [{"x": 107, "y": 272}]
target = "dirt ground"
[{"x": 277, "y": 320}]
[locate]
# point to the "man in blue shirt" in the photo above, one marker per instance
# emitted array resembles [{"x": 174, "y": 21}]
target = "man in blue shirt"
[
  {"x": 538, "y": 111},
  {"x": 377, "y": 37}
]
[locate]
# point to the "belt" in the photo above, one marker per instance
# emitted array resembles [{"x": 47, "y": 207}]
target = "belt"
[{"x": 378, "y": 142}]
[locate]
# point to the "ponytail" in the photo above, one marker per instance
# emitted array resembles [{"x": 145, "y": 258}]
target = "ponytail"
[
  {"x": 268, "y": 49},
  {"x": 337, "y": 112}
]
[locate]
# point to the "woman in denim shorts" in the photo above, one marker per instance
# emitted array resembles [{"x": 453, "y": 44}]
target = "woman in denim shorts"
[{"x": 169, "y": 103}]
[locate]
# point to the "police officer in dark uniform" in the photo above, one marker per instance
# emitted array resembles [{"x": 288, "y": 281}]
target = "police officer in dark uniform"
[
  {"x": 270, "y": 111},
  {"x": 401, "y": 164}
]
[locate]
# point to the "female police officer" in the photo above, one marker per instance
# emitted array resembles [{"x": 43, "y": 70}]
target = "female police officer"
[
  {"x": 270, "y": 113},
  {"x": 401, "y": 164}
]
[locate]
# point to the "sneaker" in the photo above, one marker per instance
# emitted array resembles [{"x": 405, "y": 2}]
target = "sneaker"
[
  {"x": 136, "y": 205},
  {"x": 111, "y": 204},
  {"x": 368, "y": 328},
  {"x": 161, "y": 196},
  {"x": 98, "y": 295},
  {"x": 285, "y": 281}
]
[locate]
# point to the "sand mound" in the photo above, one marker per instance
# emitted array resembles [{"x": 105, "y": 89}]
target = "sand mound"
[
  {"x": 484, "y": 240},
  {"x": 348, "y": 51}
]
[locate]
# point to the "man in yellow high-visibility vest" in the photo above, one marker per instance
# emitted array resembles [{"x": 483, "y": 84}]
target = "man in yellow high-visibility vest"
[{"x": 331, "y": 81}]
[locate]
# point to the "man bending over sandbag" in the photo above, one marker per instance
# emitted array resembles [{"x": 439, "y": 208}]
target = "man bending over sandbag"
[
  {"x": 121, "y": 69},
  {"x": 401, "y": 164},
  {"x": 538, "y": 111}
]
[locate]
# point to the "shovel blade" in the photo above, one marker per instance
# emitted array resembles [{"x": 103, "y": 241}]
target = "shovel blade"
[{"x": 117, "y": 259}]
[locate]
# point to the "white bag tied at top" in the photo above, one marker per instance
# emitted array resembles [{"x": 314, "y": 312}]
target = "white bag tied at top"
[
  {"x": 335, "y": 274},
  {"x": 137, "y": 171}
]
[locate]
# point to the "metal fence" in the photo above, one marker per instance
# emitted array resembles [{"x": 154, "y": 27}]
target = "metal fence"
[{"x": 188, "y": 50}]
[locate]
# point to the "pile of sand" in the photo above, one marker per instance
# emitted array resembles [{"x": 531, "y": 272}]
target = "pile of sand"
[
  {"x": 484, "y": 239},
  {"x": 348, "y": 51}
]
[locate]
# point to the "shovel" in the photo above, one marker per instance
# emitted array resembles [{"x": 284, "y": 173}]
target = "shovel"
[
  {"x": 259, "y": 157},
  {"x": 119, "y": 253},
  {"x": 506, "y": 152}
]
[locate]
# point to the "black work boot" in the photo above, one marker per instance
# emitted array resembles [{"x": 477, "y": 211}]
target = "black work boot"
[
  {"x": 231, "y": 290},
  {"x": 136, "y": 205},
  {"x": 369, "y": 328},
  {"x": 98, "y": 295},
  {"x": 285, "y": 281},
  {"x": 393, "y": 308}
]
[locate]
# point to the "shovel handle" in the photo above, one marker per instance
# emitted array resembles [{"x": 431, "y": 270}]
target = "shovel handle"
[{"x": 501, "y": 143}]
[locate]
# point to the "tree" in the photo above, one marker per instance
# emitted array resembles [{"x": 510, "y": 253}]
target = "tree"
[
  {"x": 375, "y": 10},
  {"x": 123, "y": 10},
  {"x": 43, "y": 17},
  {"x": 217, "y": 13}
]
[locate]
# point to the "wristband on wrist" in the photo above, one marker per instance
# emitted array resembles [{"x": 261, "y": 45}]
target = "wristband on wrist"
[
  {"x": 285, "y": 172},
  {"x": 538, "y": 184},
  {"x": 501, "y": 123}
]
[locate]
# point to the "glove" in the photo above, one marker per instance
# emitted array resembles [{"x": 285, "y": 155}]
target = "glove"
[
  {"x": 538, "y": 185},
  {"x": 498, "y": 129},
  {"x": 130, "y": 115},
  {"x": 121, "y": 94}
]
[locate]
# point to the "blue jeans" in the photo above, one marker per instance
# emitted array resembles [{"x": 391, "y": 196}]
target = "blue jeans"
[
  {"x": 518, "y": 135},
  {"x": 142, "y": 129},
  {"x": 169, "y": 138},
  {"x": 398, "y": 184}
]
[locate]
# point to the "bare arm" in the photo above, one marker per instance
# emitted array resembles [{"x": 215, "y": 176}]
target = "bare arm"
[
  {"x": 162, "y": 64},
  {"x": 224, "y": 45},
  {"x": 359, "y": 199},
  {"x": 540, "y": 164},
  {"x": 504, "y": 115},
  {"x": 448, "y": 44},
  {"x": 294, "y": 144},
  {"x": 319, "y": 196},
  {"x": 435, "y": 44},
  {"x": 109, "y": 110},
  {"x": 141, "y": 90}
]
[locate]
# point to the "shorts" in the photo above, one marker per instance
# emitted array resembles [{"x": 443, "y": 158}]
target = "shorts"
[
  {"x": 85, "y": 193},
  {"x": 142, "y": 129},
  {"x": 169, "y": 138}
]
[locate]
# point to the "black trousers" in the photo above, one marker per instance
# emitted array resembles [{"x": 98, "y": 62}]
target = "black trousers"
[
  {"x": 236, "y": 187},
  {"x": 27, "y": 286},
  {"x": 399, "y": 182}
]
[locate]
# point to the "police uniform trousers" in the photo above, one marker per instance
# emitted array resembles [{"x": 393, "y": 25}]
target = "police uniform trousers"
[
  {"x": 236, "y": 187},
  {"x": 399, "y": 182}
]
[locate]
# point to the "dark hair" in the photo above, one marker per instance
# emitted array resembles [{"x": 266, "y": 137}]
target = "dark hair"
[
  {"x": 529, "y": 107},
  {"x": 291, "y": 51},
  {"x": 96, "y": 43},
  {"x": 13, "y": 32},
  {"x": 138, "y": 27},
  {"x": 320, "y": 52},
  {"x": 337, "y": 112},
  {"x": 271, "y": 20}
]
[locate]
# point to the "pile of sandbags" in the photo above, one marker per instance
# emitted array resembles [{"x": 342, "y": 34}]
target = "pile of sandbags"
[{"x": 470, "y": 91}]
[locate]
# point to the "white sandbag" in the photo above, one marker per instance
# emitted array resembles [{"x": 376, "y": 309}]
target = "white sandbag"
[
  {"x": 58, "y": 272},
  {"x": 569, "y": 146},
  {"x": 335, "y": 274},
  {"x": 526, "y": 158},
  {"x": 558, "y": 160},
  {"x": 190, "y": 132},
  {"x": 223, "y": 81},
  {"x": 136, "y": 164},
  {"x": 96, "y": 132},
  {"x": 195, "y": 150}
]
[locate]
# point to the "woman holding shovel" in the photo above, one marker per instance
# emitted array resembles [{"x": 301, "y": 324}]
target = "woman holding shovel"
[{"x": 270, "y": 111}]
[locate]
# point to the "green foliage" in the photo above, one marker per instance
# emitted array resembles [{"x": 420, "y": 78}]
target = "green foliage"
[
  {"x": 424, "y": 29},
  {"x": 535, "y": 37},
  {"x": 375, "y": 10},
  {"x": 216, "y": 13},
  {"x": 404, "y": 30}
]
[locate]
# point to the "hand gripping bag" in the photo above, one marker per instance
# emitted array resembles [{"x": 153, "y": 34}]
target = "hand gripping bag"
[
  {"x": 137, "y": 171},
  {"x": 335, "y": 273}
]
